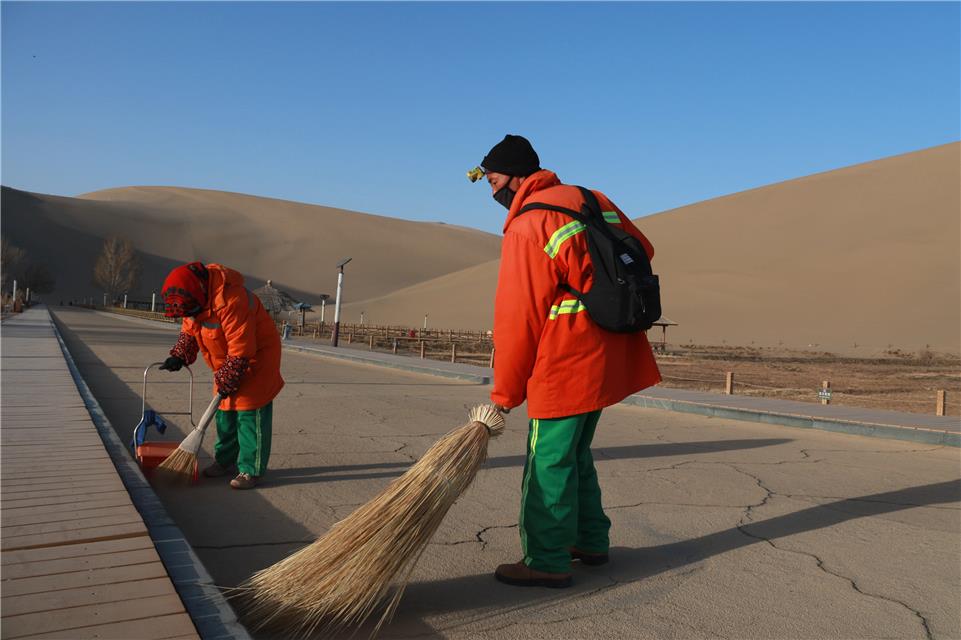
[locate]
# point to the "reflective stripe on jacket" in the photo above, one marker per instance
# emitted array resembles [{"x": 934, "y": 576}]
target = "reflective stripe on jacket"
[
  {"x": 547, "y": 349},
  {"x": 235, "y": 323}
]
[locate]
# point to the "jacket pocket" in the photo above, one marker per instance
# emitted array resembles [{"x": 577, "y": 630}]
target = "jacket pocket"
[{"x": 214, "y": 339}]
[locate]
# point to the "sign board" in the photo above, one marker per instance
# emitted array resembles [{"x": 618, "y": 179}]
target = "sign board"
[{"x": 824, "y": 394}]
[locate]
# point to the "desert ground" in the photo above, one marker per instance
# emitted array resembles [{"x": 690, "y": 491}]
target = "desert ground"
[{"x": 720, "y": 528}]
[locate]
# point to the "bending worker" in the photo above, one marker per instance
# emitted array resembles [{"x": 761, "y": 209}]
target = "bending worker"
[
  {"x": 226, "y": 323},
  {"x": 551, "y": 354}
]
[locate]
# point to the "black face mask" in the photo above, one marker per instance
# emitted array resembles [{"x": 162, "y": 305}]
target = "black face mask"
[{"x": 505, "y": 196}]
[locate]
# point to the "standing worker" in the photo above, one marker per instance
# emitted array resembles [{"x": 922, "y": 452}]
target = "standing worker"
[
  {"x": 230, "y": 327},
  {"x": 551, "y": 354}
]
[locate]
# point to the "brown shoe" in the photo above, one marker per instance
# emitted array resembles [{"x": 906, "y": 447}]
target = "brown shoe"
[
  {"x": 244, "y": 481},
  {"x": 215, "y": 470},
  {"x": 520, "y": 575},
  {"x": 588, "y": 558}
]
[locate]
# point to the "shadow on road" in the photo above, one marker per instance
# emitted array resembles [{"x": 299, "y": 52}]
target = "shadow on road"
[
  {"x": 631, "y": 565},
  {"x": 301, "y": 475}
]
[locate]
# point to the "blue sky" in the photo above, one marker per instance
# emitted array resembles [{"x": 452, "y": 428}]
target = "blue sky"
[{"x": 382, "y": 107}]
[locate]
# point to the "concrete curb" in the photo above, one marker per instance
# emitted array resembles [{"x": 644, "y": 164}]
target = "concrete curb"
[
  {"x": 484, "y": 376},
  {"x": 208, "y": 609},
  {"x": 926, "y": 436},
  {"x": 481, "y": 377}
]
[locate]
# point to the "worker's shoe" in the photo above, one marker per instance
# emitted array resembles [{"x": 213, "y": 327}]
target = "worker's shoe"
[
  {"x": 244, "y": 481},
  {"x": 520, "y": 575},
  {"x": 588, "y": 558},
  {"x": 215, "y": 470}
]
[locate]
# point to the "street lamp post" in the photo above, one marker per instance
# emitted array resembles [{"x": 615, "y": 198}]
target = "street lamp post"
[
  {"x": 323, "y": 307},
  {"x": 340, "y": 287}
]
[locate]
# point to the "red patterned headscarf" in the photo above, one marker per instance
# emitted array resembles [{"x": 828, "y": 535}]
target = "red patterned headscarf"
[{"x": 185, "y": 290}]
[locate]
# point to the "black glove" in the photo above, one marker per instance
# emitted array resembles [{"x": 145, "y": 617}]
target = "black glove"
[
  {"x": 223, "y": 394},
  {"x": 173, "y": 363}
]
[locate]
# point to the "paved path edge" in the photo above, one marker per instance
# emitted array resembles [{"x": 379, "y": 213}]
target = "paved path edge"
[
  {"x": 210, "y": 612},
  {"x": 926, "y": 436}
]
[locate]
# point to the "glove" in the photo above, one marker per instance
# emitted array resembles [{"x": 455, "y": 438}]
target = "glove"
[
  {"x": 503, "y": 410},
  {"x": 173, "y": 363},
  {"x": 227, "y": 377}
]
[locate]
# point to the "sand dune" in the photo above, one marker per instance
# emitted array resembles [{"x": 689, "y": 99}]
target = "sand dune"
[
  {"x": 852, "y": 260},
  {"x": 296, "y": 245}
]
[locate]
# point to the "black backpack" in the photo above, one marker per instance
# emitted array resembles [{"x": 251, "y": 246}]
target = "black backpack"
[{"x": 626, "y": 295}]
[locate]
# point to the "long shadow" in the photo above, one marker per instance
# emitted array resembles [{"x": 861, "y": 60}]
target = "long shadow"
[
  {"x": 631, "y": 565},
  {"x": 210, "y": 506},
  {"x": 307, "y": 475}
]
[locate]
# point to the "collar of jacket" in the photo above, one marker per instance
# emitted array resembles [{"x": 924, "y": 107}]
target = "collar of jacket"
[
  {"x": 535, "y": 182},
  {"x": 220, "y": 277}
]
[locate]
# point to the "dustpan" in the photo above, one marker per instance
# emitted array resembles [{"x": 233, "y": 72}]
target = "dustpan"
[{"x": 150, "y": 453}]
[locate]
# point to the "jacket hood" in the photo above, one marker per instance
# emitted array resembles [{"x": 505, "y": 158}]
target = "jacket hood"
[
  {"x": 535, "y": 182},
  {"x": 221, "y": 277}
]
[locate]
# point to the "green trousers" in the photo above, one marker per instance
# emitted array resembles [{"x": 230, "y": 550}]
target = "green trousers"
[
  {"x": 560, "y": 495},
  {"x": 243, "y": 438}
]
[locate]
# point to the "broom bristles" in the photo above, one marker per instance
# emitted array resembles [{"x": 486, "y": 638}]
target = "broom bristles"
[
  {"x": 344, "y": 576},
  {"x": 179, "y": 465}
]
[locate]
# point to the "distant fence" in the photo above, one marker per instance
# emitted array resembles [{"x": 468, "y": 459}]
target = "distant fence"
[{"x": 452, "y": 345}]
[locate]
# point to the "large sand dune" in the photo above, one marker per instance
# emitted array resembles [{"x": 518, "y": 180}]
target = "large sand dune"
[
  {"x": 868, "y": 255},
  {"x": 851, "y": 260},
  {"x": 296, "y": 245}
]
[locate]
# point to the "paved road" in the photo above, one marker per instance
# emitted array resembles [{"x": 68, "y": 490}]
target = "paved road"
[{"x": 720, "y": 528}]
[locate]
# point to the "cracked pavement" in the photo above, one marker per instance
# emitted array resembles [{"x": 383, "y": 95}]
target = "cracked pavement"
[{"x": 721, "y": 529}]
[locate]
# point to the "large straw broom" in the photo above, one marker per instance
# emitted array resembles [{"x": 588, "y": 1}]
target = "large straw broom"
[
  {"x": 179, "y": 466},
  {"x": 344, "y": 576}
]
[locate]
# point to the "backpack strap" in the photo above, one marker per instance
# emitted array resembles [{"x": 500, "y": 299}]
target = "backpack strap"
[{"x": 590, "y": 211}]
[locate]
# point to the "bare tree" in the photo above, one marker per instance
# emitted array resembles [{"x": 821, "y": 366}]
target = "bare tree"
[
  {"x": 118, "y": 266},
  {"x": 11, "y": 257},
  {"x": 38, "y": 278}
]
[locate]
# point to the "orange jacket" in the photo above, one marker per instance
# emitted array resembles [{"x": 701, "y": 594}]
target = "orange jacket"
[
  {"x": 548, "y": 351},
  {"x": 235, "y": 323}
]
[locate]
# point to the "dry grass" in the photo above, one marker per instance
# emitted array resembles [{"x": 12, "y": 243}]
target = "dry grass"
[
  {"x": 890, "y": 380},
  {"x": 344, "y": 576}
]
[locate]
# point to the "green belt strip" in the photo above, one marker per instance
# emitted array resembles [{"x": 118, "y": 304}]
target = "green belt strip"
[{"x": 570, "y": 230}]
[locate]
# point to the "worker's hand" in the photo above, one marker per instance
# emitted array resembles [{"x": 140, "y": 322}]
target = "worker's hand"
[
  {"x": 503, "y": 410},
  {"x": 173, "y": 363},
  {"x": 223, "y": 394}
]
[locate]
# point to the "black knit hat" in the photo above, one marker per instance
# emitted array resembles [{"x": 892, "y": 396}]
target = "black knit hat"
[{"x": 512, "y": 156}]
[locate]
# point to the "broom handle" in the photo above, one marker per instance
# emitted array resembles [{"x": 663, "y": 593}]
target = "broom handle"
[{"x": 209, "y": 413}]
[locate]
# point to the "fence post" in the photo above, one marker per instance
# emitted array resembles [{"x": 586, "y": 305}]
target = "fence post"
[
  {"x": 453, "y": 352},
  {"x": 394, "y": 349},
  {"x": 729, "y": 383},
  {"x": 371, "y": 342},
  {"x": 492, "y": 358},
  {"x": 350, "y": 337},
  {"x": 826, "y": 386},
  {"x": 939, "y": 411},
  {"x": 423, "y": 351},
  {"x": 315, "y": 333}
]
